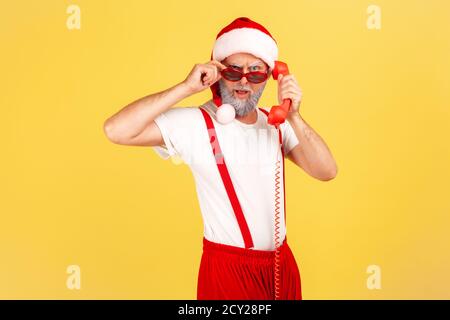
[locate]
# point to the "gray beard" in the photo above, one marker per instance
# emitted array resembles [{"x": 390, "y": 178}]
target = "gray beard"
[{"x": 242, "y": 107}]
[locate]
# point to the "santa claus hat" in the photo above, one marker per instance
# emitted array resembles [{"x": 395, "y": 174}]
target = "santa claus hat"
[{"x": 241, "y": 35}]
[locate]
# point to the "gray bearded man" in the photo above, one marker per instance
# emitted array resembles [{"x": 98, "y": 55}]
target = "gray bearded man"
[{"x": 245, "y": 249}]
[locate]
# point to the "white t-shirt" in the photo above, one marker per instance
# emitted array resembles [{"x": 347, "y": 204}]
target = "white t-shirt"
[{"x": 250, "y": 152}]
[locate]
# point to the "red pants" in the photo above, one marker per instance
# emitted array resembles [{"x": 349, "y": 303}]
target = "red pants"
[{"x": 233, "y": 273}]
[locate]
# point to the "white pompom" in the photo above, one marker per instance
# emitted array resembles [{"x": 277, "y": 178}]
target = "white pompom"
[{"x": 225, "y": 113}]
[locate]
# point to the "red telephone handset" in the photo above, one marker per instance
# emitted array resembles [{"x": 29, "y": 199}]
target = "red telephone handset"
[{"x": 279, "y": 113}]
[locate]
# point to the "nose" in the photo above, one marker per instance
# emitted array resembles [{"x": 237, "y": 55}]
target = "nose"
[{"x": 244, "y": 79}]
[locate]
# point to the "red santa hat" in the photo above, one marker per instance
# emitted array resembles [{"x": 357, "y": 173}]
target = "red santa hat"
[{"x": 241, "y": 35}]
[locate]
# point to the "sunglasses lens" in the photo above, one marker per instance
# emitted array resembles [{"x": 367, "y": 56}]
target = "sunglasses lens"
[
  {"x": 253, "y": 77},
  {"x": 231, "y": 75},
  {"x": 256, "y": 77}
]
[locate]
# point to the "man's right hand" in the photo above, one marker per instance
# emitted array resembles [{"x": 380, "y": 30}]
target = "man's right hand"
[{"x": 202, "y": 76}]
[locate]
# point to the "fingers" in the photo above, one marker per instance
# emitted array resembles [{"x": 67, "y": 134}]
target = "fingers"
[
  {"x": 289, "y": 89},
  {"x": 218, "y": 64},
  {"x": 289, "y": 85},
  {"x": 210, "y": 75},
  {"x": 288, "y": 81},
  {"x": 288, "y": 77},
  {"x": 279, "y": 79},
  {"x": 212, "y": 72}
]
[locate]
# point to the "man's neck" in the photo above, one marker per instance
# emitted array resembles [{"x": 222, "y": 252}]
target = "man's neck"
[{"x": 249, "y": 118}]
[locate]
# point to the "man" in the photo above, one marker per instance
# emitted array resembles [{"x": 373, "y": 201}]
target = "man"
[{"x": 237, "y": 160}]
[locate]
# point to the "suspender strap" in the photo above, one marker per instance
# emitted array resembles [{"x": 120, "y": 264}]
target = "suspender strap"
[
  {"x": 221, "y": 165},
  {"x": 280, "y": 139}
]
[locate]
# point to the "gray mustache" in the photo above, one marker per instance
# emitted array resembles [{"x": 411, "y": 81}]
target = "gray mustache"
[{"x": 243, "y": 88}]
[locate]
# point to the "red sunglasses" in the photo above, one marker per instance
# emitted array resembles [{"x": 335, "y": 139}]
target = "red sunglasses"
[{"x": 235, "y": 75}]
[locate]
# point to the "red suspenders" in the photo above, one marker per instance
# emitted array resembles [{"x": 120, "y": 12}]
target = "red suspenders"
[
  {"x": 227, "y": 180},
  {"x": 224, "y": 174}
]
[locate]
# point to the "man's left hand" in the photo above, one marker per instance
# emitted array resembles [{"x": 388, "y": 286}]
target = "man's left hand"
[{"x": 289, "y": 88}]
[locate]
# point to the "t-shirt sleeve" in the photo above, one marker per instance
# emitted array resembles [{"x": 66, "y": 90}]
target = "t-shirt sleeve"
[
  {"x": 289, "y": 138},
  {"x": 177, "y": 126}
]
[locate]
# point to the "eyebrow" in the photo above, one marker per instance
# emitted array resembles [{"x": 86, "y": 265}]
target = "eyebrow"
[{"x": 255, "y": 64}]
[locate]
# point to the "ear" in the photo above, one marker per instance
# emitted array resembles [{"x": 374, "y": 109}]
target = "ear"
[{"x": 269, "y": 70}]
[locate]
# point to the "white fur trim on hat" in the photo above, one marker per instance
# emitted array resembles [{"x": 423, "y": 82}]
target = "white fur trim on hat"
[{"x": 246, "y": 40}]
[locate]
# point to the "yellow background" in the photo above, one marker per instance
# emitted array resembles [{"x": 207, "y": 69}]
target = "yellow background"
[{"x": 379, "y": 98}]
